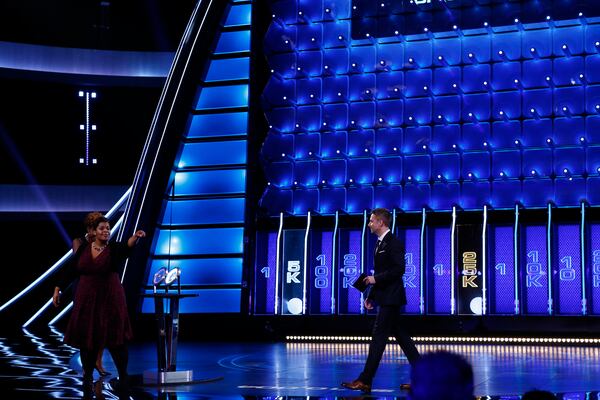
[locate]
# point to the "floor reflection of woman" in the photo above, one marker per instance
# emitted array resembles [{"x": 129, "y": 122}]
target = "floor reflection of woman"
[{"x": 99, "y": 318}]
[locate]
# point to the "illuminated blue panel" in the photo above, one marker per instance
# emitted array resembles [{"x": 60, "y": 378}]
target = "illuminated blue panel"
[
  {"x": 210, "y": 182},
  {"x": 223, "y": 97},
  {"x": 349, "y": 267},
  {"x": 228, "y": 69},
  {"x": 208, "y": 301},
  {"x": 232, "y": 42},
  {"x": 593, "y": 269},
  {"x": 321, "y": 270},
  {"x": 440, "y": 92},
  {"x": 567, "y": 269},
  {"x": 206, "y": 211},
  {"x": 216, "y": 125},
  {"x": 265, "y": 273},
  {"x": 203, "y": 271},
  {"x": 501, "y": 270},
  {"x": 534, "y": 269},
  {"x": 213, "y": 153},
  {"x": 412, "y": 275},
  {"x": 199, "y": 241},
  {"x": 439, "y": 271},
  {"x": 239, "y": 15}
]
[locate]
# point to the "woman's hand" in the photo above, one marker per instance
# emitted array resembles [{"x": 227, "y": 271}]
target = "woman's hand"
[
  {"x": 136, "y": 236},
  {"x": 56, "y": 297}
]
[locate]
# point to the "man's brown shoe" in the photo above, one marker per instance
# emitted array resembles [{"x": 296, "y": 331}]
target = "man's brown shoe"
[
  {"x": 357, "y": 385},
  {"x": 405, "y": 386}
]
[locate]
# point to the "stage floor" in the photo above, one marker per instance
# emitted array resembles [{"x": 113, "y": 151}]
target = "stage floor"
[{"x": 38, "y": 366}]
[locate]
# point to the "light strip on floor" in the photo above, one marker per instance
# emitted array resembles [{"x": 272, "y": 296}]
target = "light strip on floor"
[{"x": 451, "y": 339}]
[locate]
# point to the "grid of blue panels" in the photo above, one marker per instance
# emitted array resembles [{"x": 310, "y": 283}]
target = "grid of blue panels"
[
  {"x": 484, "y": 116},
  {"x": 201, "y": 230}
]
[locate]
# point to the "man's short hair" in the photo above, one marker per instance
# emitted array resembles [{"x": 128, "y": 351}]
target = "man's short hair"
[{"x": 384, "y": 215}]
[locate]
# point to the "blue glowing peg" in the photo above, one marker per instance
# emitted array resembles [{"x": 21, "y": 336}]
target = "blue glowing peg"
[
  {"x": 442, "y": 61},
  {"x": 534, "y": 53},
  {"x": 519, "y": 24},
  {"x": 502, "y": 55},
  {"x": 518, "y": 84},
  {"x": 302, "y": 19},
  {"x": 412, "y": 63},
  {"x": 534, "y": 113},
  {"x": 472, "y": 58}
]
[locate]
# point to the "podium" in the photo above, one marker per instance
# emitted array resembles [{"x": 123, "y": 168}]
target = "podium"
[{"x": 166, "y": 344}]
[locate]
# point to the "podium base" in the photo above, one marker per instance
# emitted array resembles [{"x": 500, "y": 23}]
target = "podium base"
[{"x": 155, "y": 377}]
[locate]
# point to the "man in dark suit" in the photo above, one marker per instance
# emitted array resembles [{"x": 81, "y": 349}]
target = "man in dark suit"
[{"x": 387, "y": 292}]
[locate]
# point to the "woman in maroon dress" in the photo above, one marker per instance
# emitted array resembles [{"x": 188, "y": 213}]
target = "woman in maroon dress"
[{"x": 99, "y": 318}]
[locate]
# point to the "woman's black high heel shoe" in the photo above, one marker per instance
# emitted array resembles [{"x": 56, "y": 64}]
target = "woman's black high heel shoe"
[{"x": 102, "y": 373}]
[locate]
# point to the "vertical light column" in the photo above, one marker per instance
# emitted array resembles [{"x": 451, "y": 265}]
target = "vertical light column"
[
  {"x": 422, "y": 263},
  {"x": 453, "y": 263},
  {"x": 306, "y": 263},
  {"x": 484, "y": 261},
  {"x": 334, "y": 262},
  {"x": 516, "y": 260},
  {"x": 549, "y": 250},
  {"x": 278, "y": 264},
  {"x": 583, "y": 261},
  {"x": 362, "y": 256}
]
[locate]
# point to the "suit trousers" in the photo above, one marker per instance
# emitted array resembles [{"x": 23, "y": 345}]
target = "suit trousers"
[{"x": 387, "y": 323}]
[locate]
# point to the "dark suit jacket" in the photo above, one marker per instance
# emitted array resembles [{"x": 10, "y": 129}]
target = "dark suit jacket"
[{"x": 388, "y": 289}]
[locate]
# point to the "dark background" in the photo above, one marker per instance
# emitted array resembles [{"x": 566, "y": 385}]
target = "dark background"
[{"x": 40, "y": 113}]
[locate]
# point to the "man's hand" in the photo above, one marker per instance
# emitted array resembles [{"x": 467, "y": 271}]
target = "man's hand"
[
  {"x": 140, "y": 234},
  {"x": 369, "y": 304},
  {"x": 369, "y": 280},
  {"x": 56, "y": 297}
]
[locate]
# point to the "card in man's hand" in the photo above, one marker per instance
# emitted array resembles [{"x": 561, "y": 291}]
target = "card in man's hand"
[{"x": 360, "y": 284}]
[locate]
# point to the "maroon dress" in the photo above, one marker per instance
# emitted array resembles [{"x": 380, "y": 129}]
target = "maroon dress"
[{"x": 99, "y": 318}]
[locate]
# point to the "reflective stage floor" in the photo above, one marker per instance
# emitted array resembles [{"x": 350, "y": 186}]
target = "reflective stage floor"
[{"x": 40, "y": 366}]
